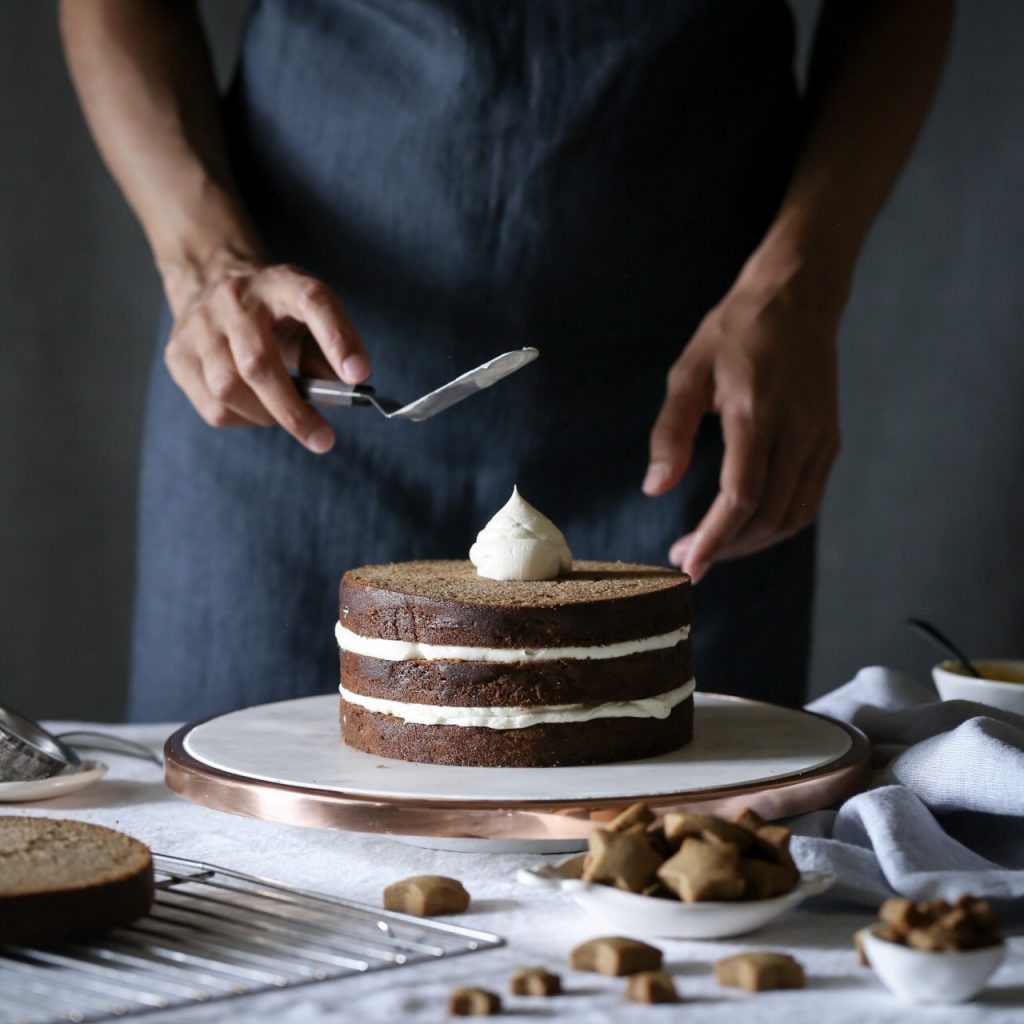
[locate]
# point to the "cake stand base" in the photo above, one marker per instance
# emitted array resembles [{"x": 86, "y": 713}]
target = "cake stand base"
[{"x": 284, "y": 762}]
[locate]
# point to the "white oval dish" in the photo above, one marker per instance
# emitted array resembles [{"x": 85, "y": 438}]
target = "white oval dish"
[
  {"x": 917, "y": 976},
  {"x": 674, "y": 919},
  {"x": 68, "y": 781},
  {"x": 954, "y": 684}
]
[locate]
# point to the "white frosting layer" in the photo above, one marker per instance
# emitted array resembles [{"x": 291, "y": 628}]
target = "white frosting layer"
[
  {"x": 659, "y": 706},
  {"x": 519, "y": 543},
  {"x": 404, "y": 650}
]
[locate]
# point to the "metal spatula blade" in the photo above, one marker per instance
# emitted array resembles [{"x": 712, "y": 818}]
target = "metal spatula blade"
[{"x": 336, "y": 393}]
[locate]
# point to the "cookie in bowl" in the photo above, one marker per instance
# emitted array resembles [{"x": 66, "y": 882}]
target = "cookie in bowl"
[
  {"x": 692, "y": 876},
  {"x": 935, "y": 951}
]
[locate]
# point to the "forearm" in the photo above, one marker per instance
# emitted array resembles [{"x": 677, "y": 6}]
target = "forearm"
[
  {"x": 144, "y": 78},
  {"x": 874, "y": 70},
  {"x": 764, "y": 359}
]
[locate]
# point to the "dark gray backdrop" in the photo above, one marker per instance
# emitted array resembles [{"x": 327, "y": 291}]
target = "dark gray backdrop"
[{"x": 924, "y": 513}]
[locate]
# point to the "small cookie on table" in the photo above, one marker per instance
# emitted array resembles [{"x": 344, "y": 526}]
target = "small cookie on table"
[
  {"x": 473, "y": 1002},
  {"x": 426, "y": 896},
  {"x": 651, "y": 987},
  {"x": 534, "y": 981},
  {"x": 615, "y": 956},
  {"x": 760, "y": 972}
]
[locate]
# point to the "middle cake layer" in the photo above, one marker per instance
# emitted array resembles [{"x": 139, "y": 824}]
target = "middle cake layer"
[{"x": 519, "y": 684}]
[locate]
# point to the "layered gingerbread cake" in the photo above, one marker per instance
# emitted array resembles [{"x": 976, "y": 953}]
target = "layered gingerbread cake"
[
  {"x": 442, "y": 665},
  {"x": 518, "y": 657}
]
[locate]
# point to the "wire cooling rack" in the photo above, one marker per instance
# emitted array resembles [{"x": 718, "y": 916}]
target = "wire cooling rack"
[{"x": 214, "y": 934}]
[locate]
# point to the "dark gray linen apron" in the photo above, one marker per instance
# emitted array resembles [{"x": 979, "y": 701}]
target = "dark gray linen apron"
[{"x": 585, "y": 176}]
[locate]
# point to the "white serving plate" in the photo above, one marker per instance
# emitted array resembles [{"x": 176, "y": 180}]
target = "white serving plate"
[
  {"x": 71, "y": 780},
  {"x": 633, "y": 914},
  {"x": 285, "y": 762},
  {"x": 296, "y": 743}
]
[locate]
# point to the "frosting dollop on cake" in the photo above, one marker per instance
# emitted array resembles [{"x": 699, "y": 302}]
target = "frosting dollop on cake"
[{"x": 520, "y": 543}]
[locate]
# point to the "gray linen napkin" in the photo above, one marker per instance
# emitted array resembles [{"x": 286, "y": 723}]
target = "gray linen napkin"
[{"x": 945, "y": 814}]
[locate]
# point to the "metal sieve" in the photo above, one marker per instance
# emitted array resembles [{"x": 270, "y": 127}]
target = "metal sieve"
[{"x": 28, "y": 751}]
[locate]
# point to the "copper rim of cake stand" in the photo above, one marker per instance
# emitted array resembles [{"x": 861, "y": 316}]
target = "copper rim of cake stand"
[{"x": 212, "y": 787}]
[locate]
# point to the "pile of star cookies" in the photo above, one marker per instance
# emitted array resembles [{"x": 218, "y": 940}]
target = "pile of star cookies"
[
  {"x": 691, "y": 857},
  {"x": 937, "y": 926}
]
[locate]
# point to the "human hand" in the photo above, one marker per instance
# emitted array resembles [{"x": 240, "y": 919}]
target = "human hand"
[
  {"x": 766, "y": 363},
  {"x": 239, "y": 325}
]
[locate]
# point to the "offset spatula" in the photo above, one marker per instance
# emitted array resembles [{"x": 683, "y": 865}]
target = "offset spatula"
[{"x": 336, "y": 393}]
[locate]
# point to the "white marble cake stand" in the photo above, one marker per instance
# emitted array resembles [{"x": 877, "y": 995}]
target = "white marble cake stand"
[{"x": 284, "y": 762}]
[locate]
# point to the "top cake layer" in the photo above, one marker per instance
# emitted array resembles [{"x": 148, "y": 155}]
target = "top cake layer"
[
  {"x": 446, "y": 602},
  {"x": 40, "y": 855}
]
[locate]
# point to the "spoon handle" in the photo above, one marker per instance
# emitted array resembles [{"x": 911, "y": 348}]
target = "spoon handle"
[
  {"x": 940, "y": 640},
  {"x": 90, "y": 740}
]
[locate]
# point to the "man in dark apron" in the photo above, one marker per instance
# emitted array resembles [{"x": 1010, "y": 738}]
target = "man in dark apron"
[{"x": 603, "y": 180}]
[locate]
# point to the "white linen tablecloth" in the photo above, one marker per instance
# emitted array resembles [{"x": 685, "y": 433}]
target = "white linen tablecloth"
[{"x": 540, "y": 926}]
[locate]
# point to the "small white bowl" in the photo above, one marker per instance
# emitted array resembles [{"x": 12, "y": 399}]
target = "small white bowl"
[
  {"x": 953, "y": 683},
  {"x": 916, "y": 976},
  {"x": 673, "y": 919}
]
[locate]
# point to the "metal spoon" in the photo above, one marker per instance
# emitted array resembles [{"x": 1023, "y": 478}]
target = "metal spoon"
[
  {"x": 336, "y": 393},
  {"x": 89, "y": 739},
  {"x": 940, "y": 640}
]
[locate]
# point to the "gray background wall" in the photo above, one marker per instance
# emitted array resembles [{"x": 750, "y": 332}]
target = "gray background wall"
[{"x": 925, "y": 513}]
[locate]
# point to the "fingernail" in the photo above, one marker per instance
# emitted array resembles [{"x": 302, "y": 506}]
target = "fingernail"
[
  {"x": 696, "y": 571},
  {"x": 321, "y": 440},
  {"x": 657, "y": 474},
  {"x": 677, "y": 553},
  {"x": 355, "y": 369}
]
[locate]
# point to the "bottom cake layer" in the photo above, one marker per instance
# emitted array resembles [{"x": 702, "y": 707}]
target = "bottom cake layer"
[
  {"x": 599, "y": 741},
  {"x": 41, "y": 917}
]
